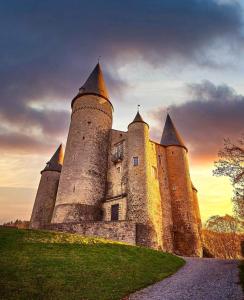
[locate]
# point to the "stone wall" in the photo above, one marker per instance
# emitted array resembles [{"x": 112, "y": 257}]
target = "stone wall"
[
  {"x": 154, "y": 196},
  {"x": 45, "y": 199},
  {"x": 122, "y": 201},
  {"x": 82, "y": 184},
  {"x": 167, "y": 222},
  {"x": 122, "y": 231},
  {"x": 197, "y": 210},
  {"x": 186, "y": 238},
  {"x": 117, "y": 174}
]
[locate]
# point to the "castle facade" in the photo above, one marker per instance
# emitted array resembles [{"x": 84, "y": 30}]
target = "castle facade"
[{"x": 119, "y": 185}]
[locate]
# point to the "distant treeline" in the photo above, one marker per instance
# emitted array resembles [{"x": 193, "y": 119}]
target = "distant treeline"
[{"x": 17, "y": 224}]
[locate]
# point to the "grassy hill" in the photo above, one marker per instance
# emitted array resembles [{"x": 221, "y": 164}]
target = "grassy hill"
[{"x": 50, "y": 265}]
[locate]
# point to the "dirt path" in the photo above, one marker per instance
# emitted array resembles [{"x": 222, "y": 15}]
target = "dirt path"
[{"x": 199, "y": 279}]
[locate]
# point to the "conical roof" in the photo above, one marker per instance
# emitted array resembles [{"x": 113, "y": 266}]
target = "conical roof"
[
  {"x": 56, "y": 162},
  {"x": 138, "y": 118},
  {"x": 170, "y": 136},
  {"x": 95, "y": 84}
]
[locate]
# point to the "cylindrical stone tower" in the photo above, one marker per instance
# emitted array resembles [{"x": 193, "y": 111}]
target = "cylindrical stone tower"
[
  {"x": 83, "y": 178},
  {"x": 167, "y": 222},
  {"x": 138, "y": 192},
  {"x": 46, "y": 194},
  {"x": 185, "y": 229}
]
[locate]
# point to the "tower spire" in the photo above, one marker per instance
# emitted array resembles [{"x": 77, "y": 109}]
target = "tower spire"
[
  {"x": 95, "y": 84},
  {"x": 56, "y": 161},
  {"x": 170, "y": 136}
]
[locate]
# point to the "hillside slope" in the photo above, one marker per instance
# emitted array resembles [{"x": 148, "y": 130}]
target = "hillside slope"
[{"x": 50, "y": 265}]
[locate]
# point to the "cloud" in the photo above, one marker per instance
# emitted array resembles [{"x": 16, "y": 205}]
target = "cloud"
[
  {"x": 47, "y": 48},
  {"x": 211, "y": 114}
]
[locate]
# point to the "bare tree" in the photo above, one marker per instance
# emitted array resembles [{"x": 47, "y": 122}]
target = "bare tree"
[{"x": 231, "y": 164}]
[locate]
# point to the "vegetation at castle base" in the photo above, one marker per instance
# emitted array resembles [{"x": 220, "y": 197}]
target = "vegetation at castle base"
[
  {"x": 49, "y": 265},
  {"x": 222, "y": 237}
]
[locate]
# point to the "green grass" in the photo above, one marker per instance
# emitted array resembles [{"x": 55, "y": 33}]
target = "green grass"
[
  {"x": 241, "y": 267},
  {"x": 50, "y": 265}
]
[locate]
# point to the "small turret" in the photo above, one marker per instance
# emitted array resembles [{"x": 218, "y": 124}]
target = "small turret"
[
  {"x": 138, "y": 177},
  {"x": 82, "y": 185},
  {"x": 185, "y": 228},
  {"x": 47, "y": 191}
]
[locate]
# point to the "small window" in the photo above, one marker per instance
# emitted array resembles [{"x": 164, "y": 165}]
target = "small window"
[
  {"x": 115, "y": 212},
  {"x": 118, "y": 169},
  {"x": 135, "y": 161}
]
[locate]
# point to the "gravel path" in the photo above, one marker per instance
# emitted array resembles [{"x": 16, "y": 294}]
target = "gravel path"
[{"x": 199, "y": 279}]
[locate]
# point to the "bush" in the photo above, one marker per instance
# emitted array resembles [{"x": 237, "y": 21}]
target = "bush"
[{"x": 222, "y": 244}]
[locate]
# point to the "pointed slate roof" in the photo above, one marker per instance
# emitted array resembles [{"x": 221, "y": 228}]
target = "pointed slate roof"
[
  {"x": 56, "y": 162},
  {"x": 138, "y": 118},
  {"x": 94, "y": 85},
  {"x": 170, "y": 136}
]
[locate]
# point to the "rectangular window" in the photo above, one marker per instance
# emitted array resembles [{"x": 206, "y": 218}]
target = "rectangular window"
[
  {"x": 115, "y": 212},
  {"x": 135, "y": 161},
  {"x": 118, "y": 152},
  {"x": 119, "y": 149}
]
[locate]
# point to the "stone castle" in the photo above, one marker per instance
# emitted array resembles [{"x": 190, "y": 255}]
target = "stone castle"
[{"x": 119, "y": 185}]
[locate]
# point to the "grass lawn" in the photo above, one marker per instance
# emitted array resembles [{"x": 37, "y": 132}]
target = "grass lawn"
[{"x": 49, "y": 265}]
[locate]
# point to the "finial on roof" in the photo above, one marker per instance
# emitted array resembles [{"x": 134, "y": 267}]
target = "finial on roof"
[
  {"x": 138, "y": 107},
  {"x": 94, "y": 85},
  {"x": 56, "y": 161},
  {"x": 170, "y": 136}
]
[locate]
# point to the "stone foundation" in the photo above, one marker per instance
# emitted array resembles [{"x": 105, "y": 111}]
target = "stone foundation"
[{"x": 123, "y": 231}]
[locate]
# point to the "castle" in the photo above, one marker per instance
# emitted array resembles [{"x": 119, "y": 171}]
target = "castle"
[{"x": 119, "y": 185}]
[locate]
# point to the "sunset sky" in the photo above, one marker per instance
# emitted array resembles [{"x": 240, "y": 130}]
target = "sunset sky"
[{"x": 184, "y": 56}]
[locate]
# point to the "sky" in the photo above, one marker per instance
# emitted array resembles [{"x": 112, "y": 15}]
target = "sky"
[{"x": 185, "y": 57}]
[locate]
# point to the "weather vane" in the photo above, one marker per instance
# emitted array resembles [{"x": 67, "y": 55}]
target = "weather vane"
[{"x": 138, "y": 107}]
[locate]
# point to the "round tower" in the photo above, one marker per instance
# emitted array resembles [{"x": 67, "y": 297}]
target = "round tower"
[
  {"x": 83, "y": 178},
  {"x": 138, "y": 192},
  {"x": 185, "y": 230},
  {"x": 47, "y": 191}
]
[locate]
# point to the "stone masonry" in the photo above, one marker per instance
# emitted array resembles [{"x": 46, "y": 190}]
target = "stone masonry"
[{"x": 119, "y": 185}]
